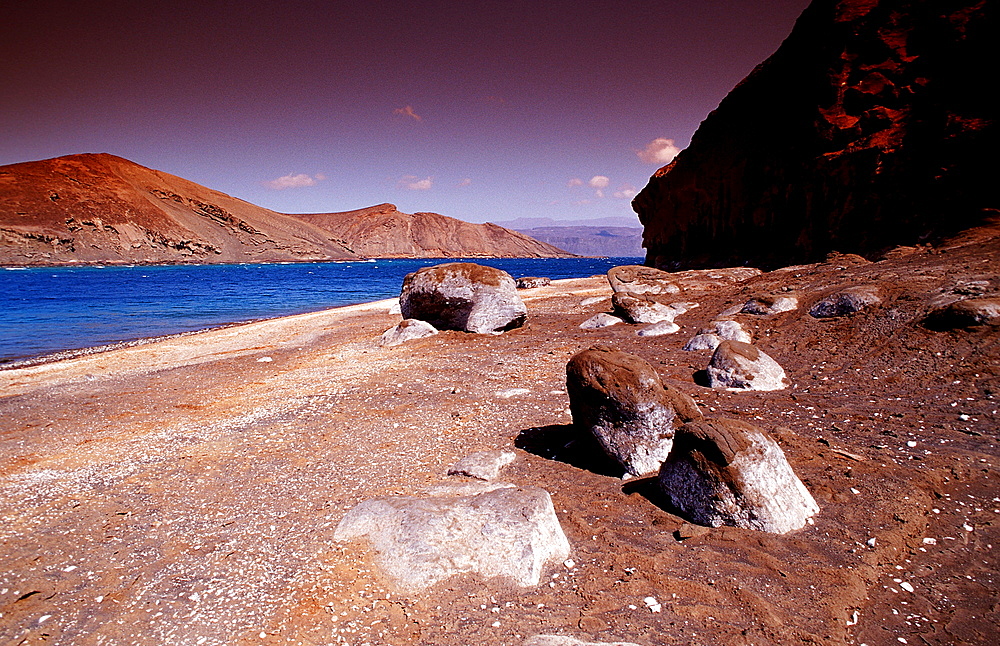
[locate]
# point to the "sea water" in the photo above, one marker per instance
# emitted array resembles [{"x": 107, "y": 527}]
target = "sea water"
[{"x": 46, "y": 310}]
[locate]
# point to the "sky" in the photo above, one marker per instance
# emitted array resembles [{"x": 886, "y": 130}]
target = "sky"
[{"x": 484, "y": 111}]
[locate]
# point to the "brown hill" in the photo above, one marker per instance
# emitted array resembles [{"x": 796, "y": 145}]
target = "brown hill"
[
  {"x": 869, "y": 127},
  {"x": 382, "y": 231},
  {"x": 98, "y": 208}
]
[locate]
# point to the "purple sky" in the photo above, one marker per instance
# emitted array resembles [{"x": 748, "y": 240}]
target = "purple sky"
[{"x": 485, "y": 111}]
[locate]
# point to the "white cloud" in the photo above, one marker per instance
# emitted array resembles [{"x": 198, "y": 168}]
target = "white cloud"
[
  {"x": 293, "y": 181},
  {"x": 465, "y": 182},
  {"x": 413, "y": 183},
  {"x": 624, "y": 192},
  {"x": 599, "y": 181},
  {"x": 576, "y": 181},
  {"x": 408, "y": 112},
  {"x": 659, "y": 151}
]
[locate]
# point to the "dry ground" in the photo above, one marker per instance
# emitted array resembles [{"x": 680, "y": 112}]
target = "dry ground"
[{"x": 186, "y": 491}]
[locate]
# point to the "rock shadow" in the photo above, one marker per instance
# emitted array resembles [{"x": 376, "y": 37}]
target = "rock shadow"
[
  {"x": 565, "y": 443},
  {"x": 649, "y": 488},
  {"x": 701, "y": 378}
]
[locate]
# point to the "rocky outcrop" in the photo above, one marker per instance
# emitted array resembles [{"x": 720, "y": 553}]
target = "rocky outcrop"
[
  {"x": 637, "y": 279},
  {"x": 105, "y": 209},
  {"x": 869, "y": 127},
  {"x": 532, "y": 282},
  {"x": 709, "y": 338},
  {"x": 846, "y": 301},
  {"x": 620, "y": 399},
  {"x": 966, "y": 313},
  {"x": 638, "y": 309},
  {"x": 483, "y": 465},
  {"x": 727, "y": 472},
  {"x": 463, "y": 296},
  {"x": 382, "y": 231},
  {"x": 509, "y": 532},
  {"x": 742, "y": 366},
  {"x": 770, "y": 304},
  {"x": 599, "y": 320}
]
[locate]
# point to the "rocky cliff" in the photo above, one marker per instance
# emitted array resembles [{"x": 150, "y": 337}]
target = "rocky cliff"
[
  {"x": 105, "y": 209},
  {"x": 381, "y": 231},
  {"x": 868, "y": 128}
]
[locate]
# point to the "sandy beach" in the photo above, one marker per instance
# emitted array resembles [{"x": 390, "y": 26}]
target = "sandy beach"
[{"x": 186, "y": 491}]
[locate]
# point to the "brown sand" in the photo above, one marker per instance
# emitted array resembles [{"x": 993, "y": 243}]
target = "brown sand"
[{"x": 186, "y": 491}]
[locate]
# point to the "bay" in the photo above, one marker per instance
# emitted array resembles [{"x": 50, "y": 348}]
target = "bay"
[{"x": 49, "y": 310}]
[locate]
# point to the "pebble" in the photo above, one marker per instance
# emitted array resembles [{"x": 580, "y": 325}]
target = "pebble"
[
  {"x": 265, "y": 360},
  {"x": 652, "y": 604},
  {"x": 569, "y": 563},
  {"x": 906, "y": 586},
  {"x": 911, "y": 444},
  {"x": 870, "y": 542},
  {"x": 967, "y": 527},
  {"x": 930, "y": 541}
]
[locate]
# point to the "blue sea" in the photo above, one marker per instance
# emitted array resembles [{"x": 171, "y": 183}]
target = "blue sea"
[{"x": 49, "y": 310}]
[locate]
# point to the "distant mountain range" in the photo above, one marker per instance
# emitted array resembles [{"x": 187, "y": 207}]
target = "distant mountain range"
[
  {"x": 99, "y": 208},
  {"x": 613, "y": 236}
]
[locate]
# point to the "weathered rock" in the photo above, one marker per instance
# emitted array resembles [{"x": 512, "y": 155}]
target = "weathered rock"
[
  {"x": 720, "y": 330},
  {"x": 876, "y": 135},
  {"x": 407, "y": 330},
  {"x": 530, "y": 282},
  {"x": 659, "y": 329},
  {"x": 727, "y": 472},
  {"x": 770, "y": 304},
  {"x": 484, "y": 465},
  {"x": 641, "y": 280},
  {"x": 742, "y": 366},
  {"x": 592, "y": 300},
  {"x": 463, "y": 296},
  {"x": 638, "y": 309},
  {"x": 967, "y": 313},
  {"x": 620, "y": 399},
  {"x": 846, "y": 301},
  {"x": 599, "y": 320},
  {"x": 562, "y": 640},
  {"x": 509, "y": 532}
]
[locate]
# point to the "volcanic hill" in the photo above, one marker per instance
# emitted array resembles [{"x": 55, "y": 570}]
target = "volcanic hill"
[
  {"x": 99, "y": 208},
  {"x": 869, "y": 127},
  {"x": 383, "y": 231}
]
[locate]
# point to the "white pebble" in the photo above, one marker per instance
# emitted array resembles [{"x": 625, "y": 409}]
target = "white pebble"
[
  {"x": 496, "y": 624},
  {"x": 44, "y": 618},
  {"x": 569, "y": 563},
  {"x": 99, "y": 599},
  {"x": 911, "y": 444},
  {"x": 967, "y": 527},
  {"x": 855, "y": 491},
  {"x": 906, "y": 586},
  {"x": 963, "y": 417},
  {"x": 870, "y": 542},
  {"x": 265, "y": 360},
  {"x": 930, "y": 541}
]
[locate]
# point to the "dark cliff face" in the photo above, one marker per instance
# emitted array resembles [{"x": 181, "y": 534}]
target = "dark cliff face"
[{"x": 870, "y": 127}]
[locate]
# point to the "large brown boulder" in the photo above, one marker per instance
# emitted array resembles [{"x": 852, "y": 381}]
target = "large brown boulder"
[
  {"x": 728, "y": 472},
  {"x": 620, "y": 399},
  {"x": 870, "y": 127},
  {"x": 463, "y": 296}
]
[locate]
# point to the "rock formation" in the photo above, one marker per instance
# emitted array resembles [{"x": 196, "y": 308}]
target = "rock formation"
[
  {"x": 463, "y": 296},
  {"x": 105, "y": 209},
  {"x": 709, "y": 338},
  {"x": 483, "y": 465},
  {"x": 407, "y": 330},
  {"x": 869, "y": 127},
  {"x": 846, "y": 301},
  {"x": 743, "y": 366},
  {"x": 620, "y": 399},
  {"x": 966, "y": 313},
  {"x": 381, "y": 231},
  {"x": 638, "y": 309},
  {"x": 509, "y": 532},
  {"x": 641, "y": 280},
  {"x": 727, "y": 472},
  {"x": 770, "y": 304}
]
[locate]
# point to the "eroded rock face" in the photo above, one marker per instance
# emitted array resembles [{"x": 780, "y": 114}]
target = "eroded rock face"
[
  {"x": 743, "y": 366},
  {"x": 659, "y": 329},
  {"x": 599, "y": 320},
  {"x": 531, "y": 282},
  {"x": 463, "y": 296},
  {"x": 407, "y": 330},
  {"x": 770, "y": 304},
  {"x": 509, "y": 532},
  {"x": 728, "y": 472},
  {"x": 641, "y": 280},
  {"x": 709, "y": 338},
  {"x": 620, "y": 399},
  {"x": 846, "y": 301},
  {"x": 483, "y": 465},
  {"x": 967, "y": 313},
  {"x": 638, "y": 309},
  {"x": 877, "y": 127}
]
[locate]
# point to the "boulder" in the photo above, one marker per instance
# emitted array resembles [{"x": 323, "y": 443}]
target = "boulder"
[
  {"x": 742, "y": 366},
  {"x": 484, "y": 465},
  {"x": 509, "y": 532},
  {"x": 621, "y": 401},
  {"x": 846, "y": 301},
  {"x": 639, "y": 309},
  {"x": 709, "y": 338},
  {"x": 641, "y": 280},
  {"x": 770, "y": 304},
  {"x": 659, "y": 329},
  {"x": 463, "y": 296},
  {"x": 530, "y": 282},
  {"x": 563, "y": 640},
  {"x": 599, "y": 320},
  {"x": 728, "y": 472},
  {"x": 406, "y": 330},
  {"x": 967, "y": 313}
]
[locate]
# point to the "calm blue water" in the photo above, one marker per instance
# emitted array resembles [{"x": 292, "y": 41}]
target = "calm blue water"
[{"x": 47, "y": 310}]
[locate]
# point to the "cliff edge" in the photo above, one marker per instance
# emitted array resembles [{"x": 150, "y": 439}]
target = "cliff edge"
[{"x": 869, "y": 127}]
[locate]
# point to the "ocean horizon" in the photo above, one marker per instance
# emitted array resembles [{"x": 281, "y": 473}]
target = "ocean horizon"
[{"x": 51, "y": 312}]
